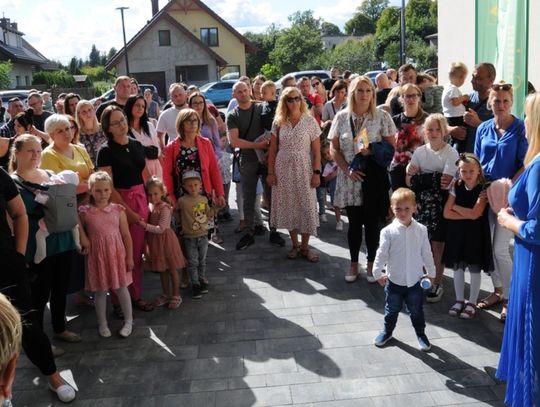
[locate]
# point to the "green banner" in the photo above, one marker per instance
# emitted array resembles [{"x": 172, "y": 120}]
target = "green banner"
[{"x": 502, "y": 39}]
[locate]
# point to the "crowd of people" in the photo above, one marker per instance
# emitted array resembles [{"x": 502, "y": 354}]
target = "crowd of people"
[{"x": 433, "y": 177}]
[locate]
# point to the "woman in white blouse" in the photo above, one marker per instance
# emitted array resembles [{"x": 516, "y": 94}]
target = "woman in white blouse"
[{"x": 142, "y": 129}]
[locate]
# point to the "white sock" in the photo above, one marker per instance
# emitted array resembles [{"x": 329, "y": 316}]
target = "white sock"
[
  {"x": 100, "y": 303},
  {"x": 125, "y": 304},
  {"x": 459, "y": 284},
  {"x": 41, "y": 245},
  {"x": 475, "y": 287}
]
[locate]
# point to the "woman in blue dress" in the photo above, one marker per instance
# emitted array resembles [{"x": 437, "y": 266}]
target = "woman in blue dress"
[{"x": 520, "y": 354}]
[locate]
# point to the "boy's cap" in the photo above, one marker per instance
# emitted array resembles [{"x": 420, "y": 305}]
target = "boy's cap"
[{"x": 190, "y": 174}]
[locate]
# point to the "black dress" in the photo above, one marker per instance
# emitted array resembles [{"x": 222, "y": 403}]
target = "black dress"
[{"x": 468, "y": 241}]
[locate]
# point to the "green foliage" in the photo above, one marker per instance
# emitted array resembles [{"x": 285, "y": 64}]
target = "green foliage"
[
  {"x": 94, "y": 58},
  {"x": 299, "y": 45},
  {"x": 97, "y": 73},
  {"x": 73, "y": 66},
  {"x": 111, "y": 53},
  {"x": 101, "y": 87},
  {"x": 271, "y": 72},
  {"x": 424, "y": 56},
  {"x": 372, "y": 9},
  {"x": 359, "y": 25},
  {"x": 330, "y": 30},
  {"x": 265, "y": 44},
  {"x": 5, "y": 74},
  {"x": 358, "y": 56},
  {"x": 54, "y": 78},
  {"x": 421, "y": 18}
]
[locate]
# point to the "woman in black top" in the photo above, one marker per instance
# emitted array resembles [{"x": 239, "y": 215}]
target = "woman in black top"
[{"x": 122, "y": 157}]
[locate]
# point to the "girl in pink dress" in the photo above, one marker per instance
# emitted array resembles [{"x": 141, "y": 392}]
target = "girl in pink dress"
[
  {"x": 165, "y": 254},
  {"x": 105, "y": 238}
]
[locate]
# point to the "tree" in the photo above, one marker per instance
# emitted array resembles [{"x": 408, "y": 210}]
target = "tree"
[
  {"x": 5, "y": 74},
  {"x": 264, "y": 42},
  {"x": 72, "y": 66},
  {"x": 94, "y": 57},
  {"x": 355, "y": 55},
  {"x": 387, "y": 35},
  {"x": 359, "y": 25},
  {"x": 372, "y": 9},
  {"x": 298, "y": 46},
  {"x": 421, "y": 18},
  {"x": 111, "y": 53},
  {"x": 330, "y": 30}
]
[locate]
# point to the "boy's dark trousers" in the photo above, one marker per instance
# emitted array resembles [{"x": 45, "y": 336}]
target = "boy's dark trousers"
[{"x": 395, "y": 296}]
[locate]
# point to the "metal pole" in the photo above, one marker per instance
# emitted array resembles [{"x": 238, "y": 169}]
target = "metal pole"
[
  {"x": 124, "y": 32},
  {"x": 402, "y": 39}
]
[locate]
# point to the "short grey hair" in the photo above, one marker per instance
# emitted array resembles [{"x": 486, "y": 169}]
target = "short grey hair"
[{"x": 55, "y": 121}]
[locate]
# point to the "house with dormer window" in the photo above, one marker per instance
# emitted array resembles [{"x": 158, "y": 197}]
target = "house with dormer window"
[
  {"x": 185, "y": 41},
  {"x": 26, "y": 59}
]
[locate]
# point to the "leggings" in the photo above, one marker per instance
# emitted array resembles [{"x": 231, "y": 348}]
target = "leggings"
[{"x": 357, "y": 219}]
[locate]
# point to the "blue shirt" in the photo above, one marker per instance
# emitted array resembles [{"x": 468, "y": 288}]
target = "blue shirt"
[
  {"x": 480, "y": 107},
  {"x": 501, "y": 157}
]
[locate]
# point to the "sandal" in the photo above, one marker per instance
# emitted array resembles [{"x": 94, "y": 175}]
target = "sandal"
[
  {"x": 504, "y": 311},
  {"x": 469, "y": 312},
  {"x": 143, "y": 305},
  {"x": 117, "y": 311},
  {"x": 174, "y": 302},
  {"x": 161, "y": 300},
  {"x": 490, "y": 301},
  {"x": 456, "y": 309},
  {"x": 293, "y": 254},
  {"x": 309, "y": 255}
]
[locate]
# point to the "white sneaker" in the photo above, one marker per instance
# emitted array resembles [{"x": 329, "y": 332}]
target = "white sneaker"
[
  {"x": 64, "y": 392},
  {"x": 339, "y": 225},
  {"x": 104, "y": 331},
  {"x": 370, "y": 279},
  {"x": 323, "y": 218},
  {"x": 352, "y": 275},
  {"x": 126, "y": 329}
]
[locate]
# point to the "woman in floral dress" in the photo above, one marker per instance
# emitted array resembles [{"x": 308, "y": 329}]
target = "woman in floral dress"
[{"x": 294, "y": 168}]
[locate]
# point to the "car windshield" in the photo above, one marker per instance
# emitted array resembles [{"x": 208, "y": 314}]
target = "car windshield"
[{"x": 205, "y": 87}]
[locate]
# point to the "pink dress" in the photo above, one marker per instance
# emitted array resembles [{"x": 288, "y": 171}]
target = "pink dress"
[
  {"x": 107, "y": 258},
  {"x": 163, "y": 245}
]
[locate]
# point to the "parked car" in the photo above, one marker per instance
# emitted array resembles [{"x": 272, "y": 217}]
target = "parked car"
[
  {"x": 110, "y": 94},
  {"x": 297, "y": 75},
  {"x": 372, "y": 75},
  {"x": 230, "y": 76},
  {"x": 219, "y": 93},
  {"x": 5, "y": 95}
]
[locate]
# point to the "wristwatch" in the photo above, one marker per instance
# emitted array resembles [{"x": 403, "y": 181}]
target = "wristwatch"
[{"x": 318, "y": 172}]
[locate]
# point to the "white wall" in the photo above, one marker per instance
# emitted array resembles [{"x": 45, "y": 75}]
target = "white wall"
[{"x": 457, "y": 38}]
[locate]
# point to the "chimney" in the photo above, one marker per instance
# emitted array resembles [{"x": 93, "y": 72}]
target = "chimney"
[
  {"x": 15, "y": 26},
  {"x": 155, "y": 7}
]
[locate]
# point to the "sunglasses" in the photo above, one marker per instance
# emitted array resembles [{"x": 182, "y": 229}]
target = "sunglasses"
[
  {"x": 314, "y": 84},
  {"x": 411, "y": 96},
  {"x": 293, "y": 99},
  {"x": 501, "y": 86}
]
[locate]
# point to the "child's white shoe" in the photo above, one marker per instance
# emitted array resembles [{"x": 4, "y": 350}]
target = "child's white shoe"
[
  {"x": 323, "y": 218},
  {"x": 339, "y": 225},
  {"x": 126, "y": 329},
  {"x": 104, "y": 331}
]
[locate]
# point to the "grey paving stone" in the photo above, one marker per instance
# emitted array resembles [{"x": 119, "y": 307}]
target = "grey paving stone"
[
  {"x": 266, "y": 364},
  {"x": 447, "y": 397},
  {"x": 416, "y": 399},
  {"x": 306, "y": 393},
  {"x": 190, "y": 399},
  {"x": 270, "y": 396},
  {"x": 283, "y": 379},
  {"x": 240, "y": 348}
]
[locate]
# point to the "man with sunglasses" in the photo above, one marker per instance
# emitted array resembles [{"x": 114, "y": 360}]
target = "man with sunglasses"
[{"x": 477, "y": 111}]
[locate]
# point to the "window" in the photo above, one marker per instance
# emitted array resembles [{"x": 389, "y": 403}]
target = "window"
[
  {"x": 210, "y": 36},
  {"x": 164, "y": 38},
  {"x": 27, "y": 80}
]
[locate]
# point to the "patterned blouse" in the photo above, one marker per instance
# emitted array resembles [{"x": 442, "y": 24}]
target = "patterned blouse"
[
  {"x": 348, "y": 192},
  {"x": 92, "y": 142}
]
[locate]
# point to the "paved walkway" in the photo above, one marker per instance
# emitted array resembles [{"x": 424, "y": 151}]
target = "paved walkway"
[{"x": 276, "y": 332}]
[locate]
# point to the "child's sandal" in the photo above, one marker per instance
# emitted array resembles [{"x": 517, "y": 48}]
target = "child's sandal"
[
  {"x": 310, "y": 256},
  {"x": 161, "y": 300},
  {"x": 143, "y": 305},
  {"x": 504, "y": 311},
  {"x": 456, "y": 309},
  {"x": 469, "y": 312},
  {"x": 174, "y": 302}
]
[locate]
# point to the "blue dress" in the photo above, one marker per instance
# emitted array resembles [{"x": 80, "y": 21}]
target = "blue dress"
[{"x": 519, "y": 363}]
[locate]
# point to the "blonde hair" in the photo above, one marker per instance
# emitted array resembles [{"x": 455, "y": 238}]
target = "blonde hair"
[
  {"x": 10, "y": 332},
  {"x": 493, "y": 91},
  {"x": 97, "y": 177},
  {"x": 351, "y": 104},
  {"x": 268, "y": 84},
  {"x": 206, "y": 116},
  {"x": 532, "y": 126},
  {"x": 282, "y": 110},
  {"x": 77, "y": 133},
  {"x": 95, "y": 124},
  {"x": 18, "y": 145},
  {"x": 441, "y": 121},
  {"x": 184, "y": 115},
  {"x": 401, "y": 195},
  {"x": 154, "y": 181},
  {"x": 470, "y": 158},
  {"x": 457, "y": 67}
]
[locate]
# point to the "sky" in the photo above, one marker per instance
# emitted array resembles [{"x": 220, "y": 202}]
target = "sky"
[{"x": 61, "y": 29}]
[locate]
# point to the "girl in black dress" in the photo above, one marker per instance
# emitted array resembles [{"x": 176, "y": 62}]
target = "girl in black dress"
[{"x": 468, "y": 238}]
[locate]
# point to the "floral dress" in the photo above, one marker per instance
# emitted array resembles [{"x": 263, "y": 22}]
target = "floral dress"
[
  {"x": 348, "y": 192},
  {"x": 294, "y": 204}
]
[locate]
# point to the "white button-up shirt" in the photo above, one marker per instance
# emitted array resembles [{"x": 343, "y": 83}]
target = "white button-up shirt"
[{"x": 403, "y": 252}]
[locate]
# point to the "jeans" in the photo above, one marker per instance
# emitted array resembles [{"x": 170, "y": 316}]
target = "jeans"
[
  {"x": 394, "y": 296},
  {"x": 249, "y": 168},
  {"x": 196, "y": 249},
  {"x": 321, "y": 199}
]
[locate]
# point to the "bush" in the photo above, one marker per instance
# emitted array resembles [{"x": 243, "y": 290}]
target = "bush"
[
  {"x": 54, "y": 78},
  {"x": 5, "y": 74}
]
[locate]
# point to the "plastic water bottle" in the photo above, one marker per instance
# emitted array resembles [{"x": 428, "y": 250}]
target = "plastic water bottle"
[{"x": 425, "y": 283}]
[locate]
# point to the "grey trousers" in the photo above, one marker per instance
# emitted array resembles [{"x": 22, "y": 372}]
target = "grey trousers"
[
  {"x": 196, "y": 249},
  {"x": 249, "y": 170}
]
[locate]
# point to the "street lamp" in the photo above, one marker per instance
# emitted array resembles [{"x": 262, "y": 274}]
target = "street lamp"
[
  {"x": 124, "y": 32},
  {"x": 402, "y": 37}
]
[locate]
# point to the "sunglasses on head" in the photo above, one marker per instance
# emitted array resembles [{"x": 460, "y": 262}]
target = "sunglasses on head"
[
  {"x": 293, "y": 99},
  {"x": 501, "y": 86}
]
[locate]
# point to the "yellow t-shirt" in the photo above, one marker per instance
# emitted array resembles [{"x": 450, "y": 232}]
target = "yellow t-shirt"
[{"x": 56, "y": 162}]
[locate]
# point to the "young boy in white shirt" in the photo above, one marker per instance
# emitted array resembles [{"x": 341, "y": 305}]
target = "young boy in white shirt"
[{"x": 404, "y": 252}]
